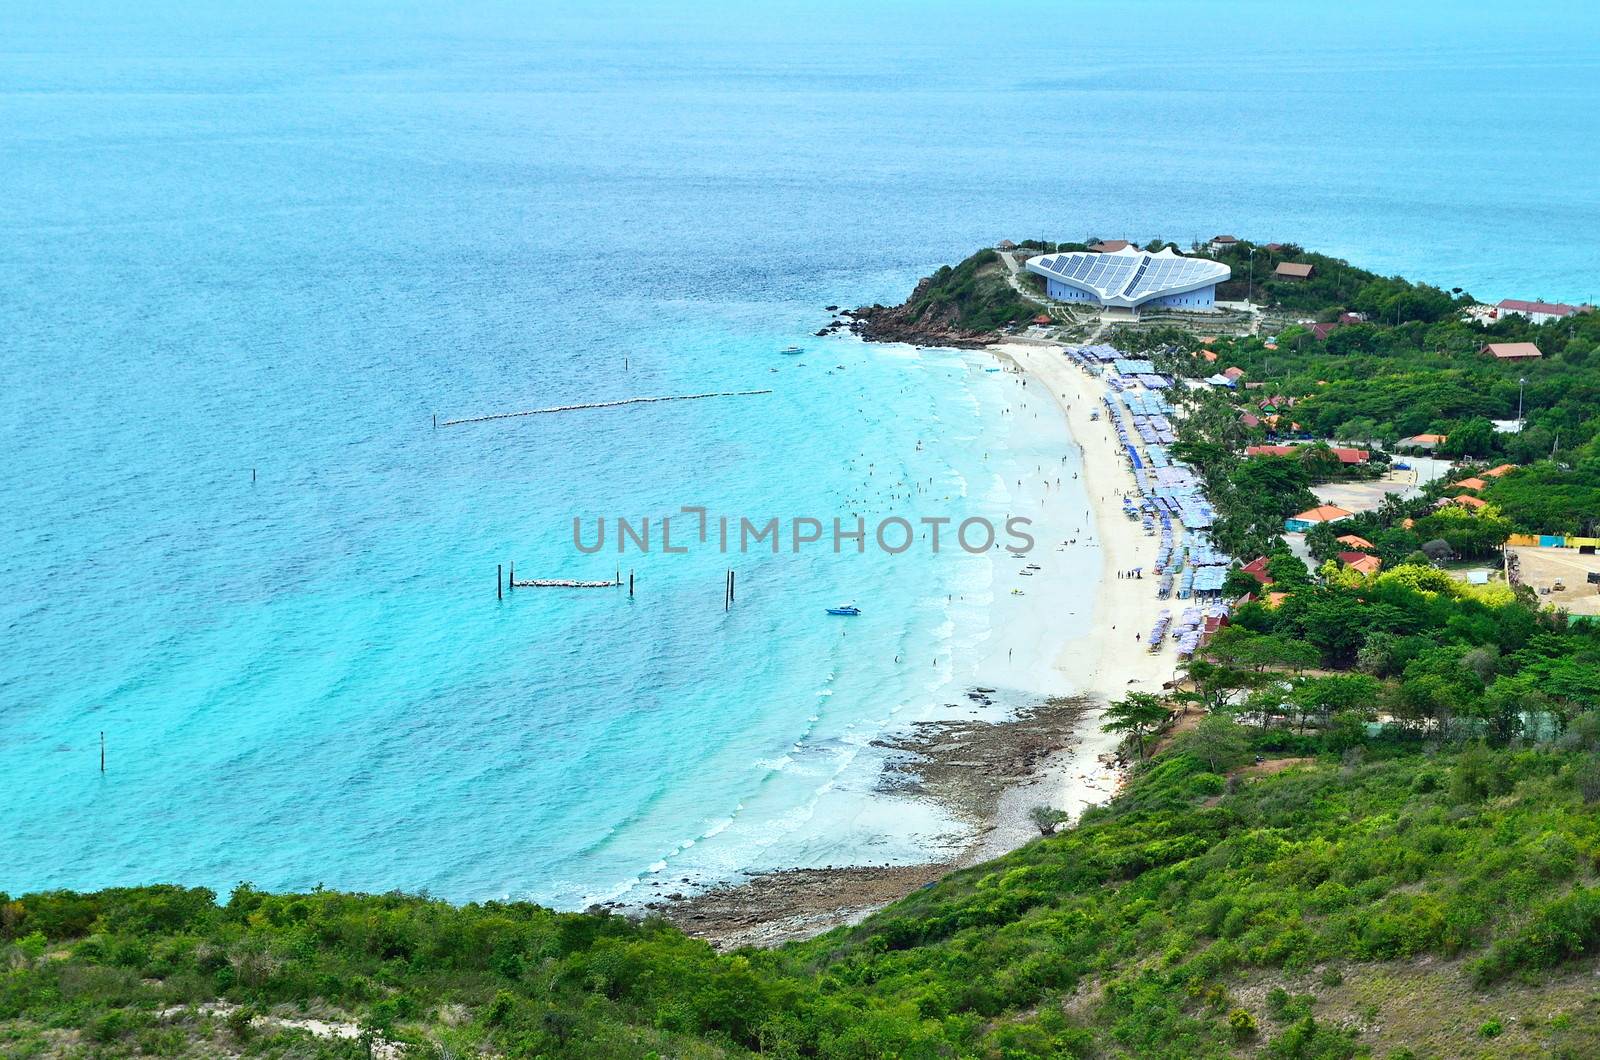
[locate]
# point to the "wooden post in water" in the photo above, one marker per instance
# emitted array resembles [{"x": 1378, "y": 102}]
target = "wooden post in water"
[
  {"x": 730, "y": 585},
  {"x": 102, "y": 750},
  {"x": 630, "y": 585},
  {"x": 435, "y": 421},
  {"x": 252, "y": 476},
  {"x": 512, "y": 581},
  {"x": 499, "y": 584}
]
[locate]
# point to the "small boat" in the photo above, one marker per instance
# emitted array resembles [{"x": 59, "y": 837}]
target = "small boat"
[
  {"x": 850, "y": 609},
  {"x": 791, "y": 351}
]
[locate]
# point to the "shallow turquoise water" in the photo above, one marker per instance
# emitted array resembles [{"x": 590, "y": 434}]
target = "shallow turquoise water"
[{"x": 282, "y": 240}]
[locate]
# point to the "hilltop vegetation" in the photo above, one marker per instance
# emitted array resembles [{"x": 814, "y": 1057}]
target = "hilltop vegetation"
[
  {"x": 963, "y": 305},
  {"x": 1197, "y": 916}
]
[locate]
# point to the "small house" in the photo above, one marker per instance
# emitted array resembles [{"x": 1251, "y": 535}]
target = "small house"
[
  {"x": 1538, "y": 312},
  {"x": 1362, "y": 562},
  {"x": 1511, "y": 351},
  {"x": 1293, "y": 270},
  {"x": 1322, "y": 513}
]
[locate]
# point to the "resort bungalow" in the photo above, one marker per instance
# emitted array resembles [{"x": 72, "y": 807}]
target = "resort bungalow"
[
  {"x": 1426, "y": 443},
  {"x": 1233, "y": 373},
  {"x": 1538, "y": 312},
  {"x": 1221, "y": 243},
  {"x": 1293, "y": 270},
  {"x": 1496, "y": 472},
  {"x": 1320, "y": 332},
  {"x": 1354, "y": 541},
  {"x": 1511, "y": 351},
  {"x": 1348, "y": 457},
  {"x": 1473, "y": 483},
  {"x": 1466, "y": 500},
  {"x": 1361, "y": 562},
  {"x": 1322, "y": 513},
  {"x": 1257, "y": 569}
]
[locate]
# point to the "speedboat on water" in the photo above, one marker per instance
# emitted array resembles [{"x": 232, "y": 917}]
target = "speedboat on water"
[
  {"x": 791, "y": 351},
  {"x": 849, "y": 609}
]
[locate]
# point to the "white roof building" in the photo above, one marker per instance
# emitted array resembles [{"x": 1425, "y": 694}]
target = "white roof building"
[{"x": 1131, "y": 279}]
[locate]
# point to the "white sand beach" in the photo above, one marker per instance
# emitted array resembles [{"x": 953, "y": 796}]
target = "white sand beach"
[{"x": 1108, "y": 661}]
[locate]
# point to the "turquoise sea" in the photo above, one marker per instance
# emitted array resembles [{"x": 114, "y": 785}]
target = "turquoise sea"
[{"x": 273, "y": 240}]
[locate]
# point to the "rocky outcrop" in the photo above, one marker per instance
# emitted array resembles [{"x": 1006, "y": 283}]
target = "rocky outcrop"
[{"x": 919, "y": 320}]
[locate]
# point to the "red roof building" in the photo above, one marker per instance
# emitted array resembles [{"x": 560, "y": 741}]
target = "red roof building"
[
  {"x": 1361, "y": 561},
  {"x": 1257, "y": 569},
  {"x": 1511, "y": 351},
  {"x": 1293, "y": 270},
  {"x": 1538, "y": 312},
  {"x": 1322, "y": 513}
]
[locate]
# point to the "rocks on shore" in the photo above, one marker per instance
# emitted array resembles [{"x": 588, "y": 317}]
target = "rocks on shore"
[
  {"x": 964, "y": 766},
  {"x": 931, "y": 324}
]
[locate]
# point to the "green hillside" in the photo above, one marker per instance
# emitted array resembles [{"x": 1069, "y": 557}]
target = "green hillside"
[{"x": 1394, "y": 896}]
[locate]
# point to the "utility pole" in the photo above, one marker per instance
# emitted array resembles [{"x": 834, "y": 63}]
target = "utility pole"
[
  {"x": 1520, "y": 384},
  {"x": 1250, "y": 288}
]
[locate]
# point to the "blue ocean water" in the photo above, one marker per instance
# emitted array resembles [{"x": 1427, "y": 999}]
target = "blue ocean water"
[{"x": 281, "y": 239}]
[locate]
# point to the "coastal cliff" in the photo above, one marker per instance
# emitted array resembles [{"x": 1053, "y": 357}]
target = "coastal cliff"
[{"x": 967, "y": 305}]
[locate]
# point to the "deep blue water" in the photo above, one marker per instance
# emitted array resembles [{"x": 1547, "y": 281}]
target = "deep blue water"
[{"x": 281, "y": 239}]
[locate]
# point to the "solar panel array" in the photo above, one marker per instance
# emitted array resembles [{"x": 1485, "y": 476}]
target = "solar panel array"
[
  {"x": 1128, "y": 276},
  {"x": 1158, "y": 274}
]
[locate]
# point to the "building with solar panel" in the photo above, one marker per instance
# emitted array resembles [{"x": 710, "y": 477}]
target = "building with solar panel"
[{"x": 1132, "y": 279}]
